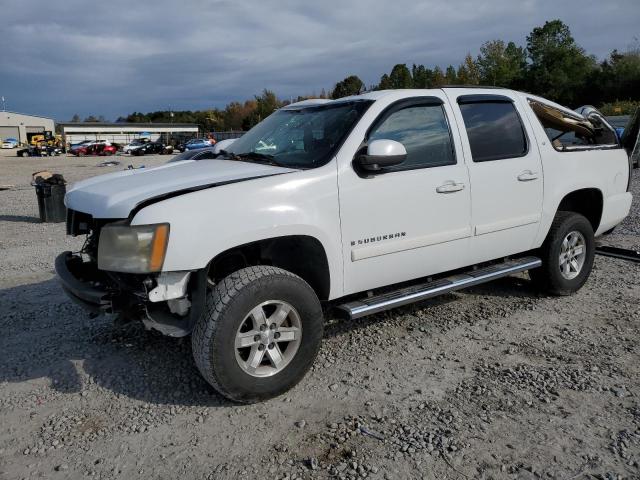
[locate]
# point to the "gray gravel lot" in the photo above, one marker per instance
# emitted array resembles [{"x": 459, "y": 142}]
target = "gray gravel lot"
[{"x": 494, "y": 382}]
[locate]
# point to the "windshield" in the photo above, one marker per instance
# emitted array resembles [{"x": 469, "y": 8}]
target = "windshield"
[{"x": 304, "y": 137}]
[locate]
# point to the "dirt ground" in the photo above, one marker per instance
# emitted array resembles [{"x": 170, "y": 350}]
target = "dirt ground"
[{"x": 493, "y": 382}]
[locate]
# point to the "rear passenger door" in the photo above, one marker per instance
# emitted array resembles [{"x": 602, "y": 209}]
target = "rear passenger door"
[{"x": 505, "y": 171}]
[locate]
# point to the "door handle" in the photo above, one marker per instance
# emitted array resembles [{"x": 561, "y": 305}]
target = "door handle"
[
  {"x": 527, "y": 176},
  {"x": 450, "y": 187}
]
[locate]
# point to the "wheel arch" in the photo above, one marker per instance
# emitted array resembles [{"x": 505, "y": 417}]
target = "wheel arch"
[
  {"x": 303, "y": 255},
  {"x": 588, "y": 202}
]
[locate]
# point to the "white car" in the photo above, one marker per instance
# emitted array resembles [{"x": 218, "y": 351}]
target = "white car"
[
  {"x": 134, "y": 145},
  {"x": 10, "y": 143},
  {"x": 362, "y": 204}
]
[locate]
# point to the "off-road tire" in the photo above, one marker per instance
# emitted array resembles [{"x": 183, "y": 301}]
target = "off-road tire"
[
  {"x": 548, "y": 278},
  {"x": 228, "y": 303}
]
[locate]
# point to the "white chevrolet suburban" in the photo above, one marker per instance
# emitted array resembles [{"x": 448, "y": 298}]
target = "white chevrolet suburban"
[{"x": 361, "y": 204}]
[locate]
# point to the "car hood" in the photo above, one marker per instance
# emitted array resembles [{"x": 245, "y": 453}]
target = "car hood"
[{"x": 115, "y": 195}]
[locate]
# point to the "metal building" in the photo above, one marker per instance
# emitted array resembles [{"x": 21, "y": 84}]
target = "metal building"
[
  {"x": 22, "y": 126},
  {"x": 126, "y": 132}
]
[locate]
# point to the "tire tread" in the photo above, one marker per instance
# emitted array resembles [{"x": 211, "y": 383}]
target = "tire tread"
[
  {"x": 218, "y": 302},
  {"x": 544, "y": 278}
]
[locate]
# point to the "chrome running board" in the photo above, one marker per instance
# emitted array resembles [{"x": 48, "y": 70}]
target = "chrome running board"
[{"x": 423, "y": 291}]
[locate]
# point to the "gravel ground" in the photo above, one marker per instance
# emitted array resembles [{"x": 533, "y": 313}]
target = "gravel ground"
[{"x": 494, "y": 382}]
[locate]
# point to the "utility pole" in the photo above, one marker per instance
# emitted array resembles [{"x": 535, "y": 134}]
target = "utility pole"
[{"x": 171, "y": 116}]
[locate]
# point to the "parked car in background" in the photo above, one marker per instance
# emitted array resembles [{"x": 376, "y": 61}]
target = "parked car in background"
[
  {"x": 135, "y": 144},
  {"x": 10, "y": 143},
  {"x": 152, "y": 148},
  {"x": 38, "y": 151},
  {"x": 97, "y": 148},
  {"x": 223, "y": 144},
  {"x": 197, "y": 154},
  {"x": 203, "y": 153},
  {"x": 73, "y": 147},
  {"x": 197, "y": 143},
  {"x": 181, "y": 146},
  {"x": 29, "y": 151}
]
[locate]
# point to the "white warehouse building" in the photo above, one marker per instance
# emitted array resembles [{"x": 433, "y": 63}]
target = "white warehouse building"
[
  {"x": 22, "y": 126},
  {"x": 124, "y": 133}
]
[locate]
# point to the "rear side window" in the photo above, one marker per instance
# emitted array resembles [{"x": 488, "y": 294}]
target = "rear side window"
[
  {"x": 494, "y": 129},
  {"x": 424, "y": 132},
  {"x": 569, "y": 131}
]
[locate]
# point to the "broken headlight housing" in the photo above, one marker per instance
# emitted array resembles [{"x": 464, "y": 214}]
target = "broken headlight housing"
[{"x": 133, "y": 248}]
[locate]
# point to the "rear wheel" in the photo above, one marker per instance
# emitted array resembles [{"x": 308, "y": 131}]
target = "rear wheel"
[
  {"x": 259, "y": 335},
  {"x": 567, "y": 255}
]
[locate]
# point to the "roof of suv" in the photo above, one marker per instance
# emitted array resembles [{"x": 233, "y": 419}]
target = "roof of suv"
[{"x": 378, "y": 94}]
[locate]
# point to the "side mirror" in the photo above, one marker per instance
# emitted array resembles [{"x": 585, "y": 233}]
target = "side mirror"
[{"x": 381, "y": 154}]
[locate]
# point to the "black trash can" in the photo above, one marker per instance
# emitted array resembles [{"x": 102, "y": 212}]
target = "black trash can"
[{"x": 51, "y": 202}]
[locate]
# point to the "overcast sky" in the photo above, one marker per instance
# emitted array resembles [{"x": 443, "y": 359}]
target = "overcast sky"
[{"x": 114, "y": 57}]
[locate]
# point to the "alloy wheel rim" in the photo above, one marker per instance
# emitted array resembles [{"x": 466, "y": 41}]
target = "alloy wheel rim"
[
  {"x": 573, "y": 252},
  {"x": 268, "y": 338}
]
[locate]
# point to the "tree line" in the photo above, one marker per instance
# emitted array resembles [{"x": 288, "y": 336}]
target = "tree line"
[{"x": 551, "y": 64}]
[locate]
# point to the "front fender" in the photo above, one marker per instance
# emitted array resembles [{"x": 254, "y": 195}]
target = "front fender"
[{"x": 208, "y": 222}]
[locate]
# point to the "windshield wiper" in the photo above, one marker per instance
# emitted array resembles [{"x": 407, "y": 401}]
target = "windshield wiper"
[
  {"x": 229, "y": 154},
  {"x": 259, "y": 157},
  {"x": 251, "y": 156}
]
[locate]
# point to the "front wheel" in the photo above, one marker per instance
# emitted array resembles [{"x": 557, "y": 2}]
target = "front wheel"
[
  {"x": 259, "y": 334},
  {"x": 567, "y": 255}
]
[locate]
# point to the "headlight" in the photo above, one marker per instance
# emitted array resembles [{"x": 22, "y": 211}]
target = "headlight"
[{"x": 133, "y": 249}]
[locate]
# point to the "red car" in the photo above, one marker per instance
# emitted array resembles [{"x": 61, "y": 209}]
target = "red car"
[{"x": 95, "y": 149}]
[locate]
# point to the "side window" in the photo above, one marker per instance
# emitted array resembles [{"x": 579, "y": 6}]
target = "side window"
[
  {"x": 494, "y": 129},
  {"x": 424, "y": 132}
]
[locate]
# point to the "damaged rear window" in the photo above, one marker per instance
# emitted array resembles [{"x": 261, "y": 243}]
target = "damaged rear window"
[{"x": 567, "y": 130}]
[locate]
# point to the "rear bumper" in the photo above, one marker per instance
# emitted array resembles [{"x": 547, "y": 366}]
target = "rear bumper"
[{"x": 77, "y": 282}]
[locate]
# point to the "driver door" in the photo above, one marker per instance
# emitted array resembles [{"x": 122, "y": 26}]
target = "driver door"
[{"x": 413, "y": 219}]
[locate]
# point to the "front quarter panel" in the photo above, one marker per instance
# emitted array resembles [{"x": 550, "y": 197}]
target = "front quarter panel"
[{"x": 208, "y": 222}]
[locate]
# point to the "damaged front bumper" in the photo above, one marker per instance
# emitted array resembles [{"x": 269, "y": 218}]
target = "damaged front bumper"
[
  {"x": 170, "y": 302},
  {"x": 80, "y": 281}
]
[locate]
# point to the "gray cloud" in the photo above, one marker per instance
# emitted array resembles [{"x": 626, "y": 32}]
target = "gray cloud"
[{"x": 111, "y": 58}]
